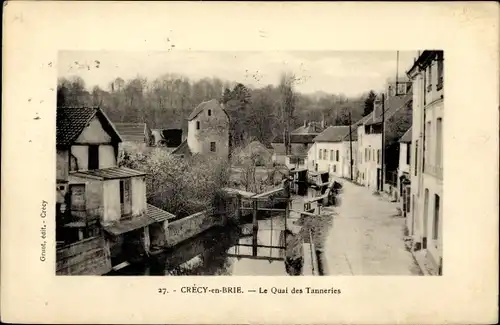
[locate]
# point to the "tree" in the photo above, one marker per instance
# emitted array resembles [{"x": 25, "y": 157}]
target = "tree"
[
  {"x": 369, "y": 102},
  {"x": 287, "y": 106}
]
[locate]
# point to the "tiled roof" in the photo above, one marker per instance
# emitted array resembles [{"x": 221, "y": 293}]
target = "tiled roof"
[
  {"x": 406, "y": 138},
  {"x": 108, "y": 173},
  {"x": 183, "y": 149},
  {"x": 392, "y": 105},
  {"x": 71, "y": 121},
  {"x": 132, "y": 132},
  {"x": 159, "y": 215},
  {"x": 335, "y": 133},
  {"x": 212, "y": 104}
]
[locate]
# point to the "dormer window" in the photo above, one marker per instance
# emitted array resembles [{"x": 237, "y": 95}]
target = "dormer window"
[
  {"x": 197, "y": 125},
  {"x": 209, "y": 112}
]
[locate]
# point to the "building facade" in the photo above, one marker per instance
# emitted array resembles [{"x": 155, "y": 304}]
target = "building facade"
[
  {"x": 99, "y": 205},
  {"x": 326, "y": 154},
  {"x": 208, "y": 131},
  {"x": 404, "y": 175},
  {"x": 426, "y": 221}
]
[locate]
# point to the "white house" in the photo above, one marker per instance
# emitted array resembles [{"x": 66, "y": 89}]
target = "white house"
[
  {"x": 425, "y": 221},
  {"x": 326, "y": 153}
]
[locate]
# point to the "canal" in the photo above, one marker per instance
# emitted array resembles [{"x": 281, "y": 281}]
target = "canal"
[{"x": 236, "y": 250}]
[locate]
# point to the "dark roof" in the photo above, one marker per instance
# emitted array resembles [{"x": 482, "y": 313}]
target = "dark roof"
[
  {"x": 297, "y": 138},
  {"x": 423, "y": 60},
  {"x": 212, "y": 104},
  {"x": 132, "y": 132},
  {"x": 335, "y": 133},
  {"x": 71, "y": 121},
  {"x": 392, "y": 105},
  {"x": 108, "y": 173},
  {"x": 183, "y": 149},
  {"x": 406, "y": 138},
  {"x": 159, "y": 215}
]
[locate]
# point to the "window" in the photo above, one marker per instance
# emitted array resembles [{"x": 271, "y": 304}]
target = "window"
[
  {"x": 331, "y": 154},
  {"x": 439, "y": 142},
  {"x": 334, "y": 168},
  {"x": 408, "y": 153},
  {"x": 197, "y": 125},
  {"x": 439, "y": 85},
  {"x": 320, "y": 153},
  {"x": 366, "y": 154},
  {"x": 401, "y": 89},
  {"x": 378, "y": 156},
  {"x": 209, "y": 112},
  {"x": 435, "y": 228},
  {"x": 337, "y": 155},
  {"x": 93, "y": 157},
  {"x": 212, "y": 146},
  {"x": 415, "y": 166},
  {"x": 427, "y": 147},
  {"x": 429, "y": 77}
]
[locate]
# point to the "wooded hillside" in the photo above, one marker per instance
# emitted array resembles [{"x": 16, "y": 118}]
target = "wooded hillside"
[{"x": 166, "y": 102}]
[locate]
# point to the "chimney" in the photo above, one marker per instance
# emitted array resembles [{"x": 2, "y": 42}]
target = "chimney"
[
  {"x": 323, "y": 123},
  {"x": 305, "y": 123}
]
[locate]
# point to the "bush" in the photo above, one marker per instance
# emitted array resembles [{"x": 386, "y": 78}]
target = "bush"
[{"x": 178, "y": 185}]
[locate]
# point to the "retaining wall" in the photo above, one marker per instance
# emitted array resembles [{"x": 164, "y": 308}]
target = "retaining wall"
[
  {"x": 87, "y": 257},
  {"x": 191, "y": 226}
]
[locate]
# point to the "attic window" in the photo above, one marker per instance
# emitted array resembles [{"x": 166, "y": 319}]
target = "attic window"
[{"x": 209, "y": 112}]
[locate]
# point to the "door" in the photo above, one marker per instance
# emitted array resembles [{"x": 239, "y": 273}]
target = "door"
[
  {"x": 379, "y": 179},
  {"x": 77, "y": 202}
]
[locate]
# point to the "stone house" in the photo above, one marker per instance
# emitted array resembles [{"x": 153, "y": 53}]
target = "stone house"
[{"x": 208, "y": 131}]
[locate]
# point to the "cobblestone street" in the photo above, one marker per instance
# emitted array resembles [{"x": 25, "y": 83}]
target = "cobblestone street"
[{"x": 366, "y": 237}]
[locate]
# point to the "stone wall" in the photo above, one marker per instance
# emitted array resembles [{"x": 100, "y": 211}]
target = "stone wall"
[
  {"x": 87, "y": 257},
  {"x": 191, "y": 226}
]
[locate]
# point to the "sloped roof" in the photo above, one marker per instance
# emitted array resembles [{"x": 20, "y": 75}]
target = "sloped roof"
[
  {"x": 335, "y": 133},
  {"x": 406, "y": 138},
  {"x": 132, "y": 132},
  {"x": 183, "y": 149},
  {"x": 159, "y": 215},
  {"x": 209, "y": 104},
  {"x": 297, "y": 138},
  {"x": 392, "y": 105},
  {"x": 71, "y": 121},
  {"x": 108, "y": 173}
]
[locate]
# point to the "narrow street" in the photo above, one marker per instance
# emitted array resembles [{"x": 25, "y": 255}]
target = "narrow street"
[{"x": 366, "y": 237}]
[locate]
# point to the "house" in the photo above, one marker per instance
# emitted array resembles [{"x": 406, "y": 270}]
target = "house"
[
  {"x": 208, "y": 131},
  {"x": 394, "y": 120},
  {"x": 135, "y": 133},
  {"x": 99, "y": 205},
  {"x": 325, "y": 155},
  {"x": 301, "y": 140},
  {"x": 425, "y": 218},
  {"x": 404, "y": 171}
]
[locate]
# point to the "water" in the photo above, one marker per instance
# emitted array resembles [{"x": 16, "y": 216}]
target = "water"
[{"x": 230, "y": 250}]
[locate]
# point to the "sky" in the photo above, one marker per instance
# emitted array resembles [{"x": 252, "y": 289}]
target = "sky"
[{"x": 350, "y": 73}]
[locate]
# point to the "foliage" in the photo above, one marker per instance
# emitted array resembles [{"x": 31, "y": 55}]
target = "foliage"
[
  {"x": 369, "y": 103},
  {"x": 177, "y": 185},
  {"x": 167, "y": 101}
]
